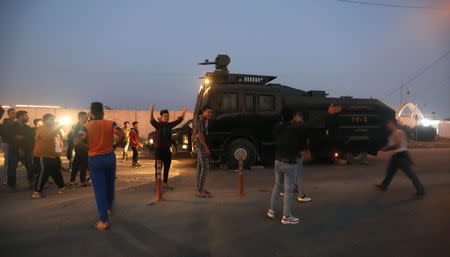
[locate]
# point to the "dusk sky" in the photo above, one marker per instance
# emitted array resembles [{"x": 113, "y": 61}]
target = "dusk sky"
[{"x": 131, "y": 54}]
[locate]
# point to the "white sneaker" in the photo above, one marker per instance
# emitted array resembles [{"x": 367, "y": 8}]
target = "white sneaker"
[
  {"x": 270, "y": 214},
  {"x": 290, "y": 220},
  {"x": 304, "y": 199}
]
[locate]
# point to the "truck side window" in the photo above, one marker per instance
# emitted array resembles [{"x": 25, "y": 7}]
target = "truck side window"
[
  {"x": 266, "y": 103},
  {"x": 249, "y": 103},
  {"x": 230, "y": 103}
]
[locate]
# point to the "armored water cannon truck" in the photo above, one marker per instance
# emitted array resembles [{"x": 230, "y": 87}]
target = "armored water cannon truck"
[{"x": 247, "y": 107}]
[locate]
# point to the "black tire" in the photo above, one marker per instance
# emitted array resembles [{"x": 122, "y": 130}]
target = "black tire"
[
  {"x": 231, "y": 162},
  {"x": 356, "y": 157}
]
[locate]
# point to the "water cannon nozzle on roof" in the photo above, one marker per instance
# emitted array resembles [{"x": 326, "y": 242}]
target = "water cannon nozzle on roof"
[{"x": 221, "y": 62}]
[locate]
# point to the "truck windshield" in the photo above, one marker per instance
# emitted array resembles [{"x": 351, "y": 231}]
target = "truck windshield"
[{"x": 202, "y": 99}]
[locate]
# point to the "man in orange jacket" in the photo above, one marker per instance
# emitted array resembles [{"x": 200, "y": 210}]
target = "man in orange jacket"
[{"x": 48, "y": 148}]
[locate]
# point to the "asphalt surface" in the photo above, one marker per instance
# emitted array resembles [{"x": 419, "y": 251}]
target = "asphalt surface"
[{"x": 347, "y": 216}]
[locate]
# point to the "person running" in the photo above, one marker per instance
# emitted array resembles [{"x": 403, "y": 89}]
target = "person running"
[
  {"x": 48, "y": 148},
  {"x": 80, "y": 161},
  {"x": 289, "y": 141},
  {"x": 398, "y": 143},
  {"x": 126, "y": 142},
  {"x": 163, "y": 140},
  {"x": 202, "y": 149},
  {"x": 20, "y": 148},
  {"x": 5, "y": 126},
  {"x": 134, "y": 143},
  {"x": 102, "y": 159}
]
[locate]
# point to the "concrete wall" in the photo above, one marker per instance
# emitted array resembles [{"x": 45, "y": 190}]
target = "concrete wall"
[
  {"x": 444, "y": 129},
  {"x": 119, "y": 116}
]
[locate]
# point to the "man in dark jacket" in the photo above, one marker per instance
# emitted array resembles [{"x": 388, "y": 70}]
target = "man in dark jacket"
[
  {"x": 20, "y": 148},
  {"x": 5, "y": 127},
  {"x": 80, "y": 161},
  {"x": 289, "y": 141},
  {"x": 163, "y": 140}
]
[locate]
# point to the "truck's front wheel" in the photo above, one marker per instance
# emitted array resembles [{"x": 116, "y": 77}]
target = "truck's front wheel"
[{"x": 240, "y": 145}]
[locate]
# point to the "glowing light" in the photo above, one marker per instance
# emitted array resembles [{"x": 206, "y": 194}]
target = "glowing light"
[
  {"x": 38, "y": 106},
  {"x": 427, "y": 122},
  {"x": 65, "y": 121},
  {"x": 207, "y": 81},
  {"x": 151, "y": 141},
  {"x": 336, "y": 155},
  {"x": 184, "y": 147}
]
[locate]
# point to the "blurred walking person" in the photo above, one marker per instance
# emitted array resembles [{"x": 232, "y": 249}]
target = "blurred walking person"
[
  {"x": 7, "y": 122},
  {"x": 398, "y": 143},
  {"x": 80, "y": 161},
  {"x": 48, "y": 148},
  {"x": 134, "y": 143},
  {"x": 20, "y": 148},
  {"x": 102, "y": 159},
  {"x": 126, "y": 141},
  {"x": 163, "y": 140}
]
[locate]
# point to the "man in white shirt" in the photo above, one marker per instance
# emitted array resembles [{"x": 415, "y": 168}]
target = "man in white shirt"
[{"x": 398, "y": 142}]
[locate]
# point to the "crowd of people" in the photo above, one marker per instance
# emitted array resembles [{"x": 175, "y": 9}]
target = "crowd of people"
[
  {"x": 90, "y": 150},
  {"x": 93, "y": 140}
]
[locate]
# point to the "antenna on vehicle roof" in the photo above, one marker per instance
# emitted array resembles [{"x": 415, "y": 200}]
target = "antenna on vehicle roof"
[{"x": 221, "y": 62}]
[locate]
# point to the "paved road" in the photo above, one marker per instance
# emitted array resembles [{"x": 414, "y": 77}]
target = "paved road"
[{"x": 346, "y": 218}]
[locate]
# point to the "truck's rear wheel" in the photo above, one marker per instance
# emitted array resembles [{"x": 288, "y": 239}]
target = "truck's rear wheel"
[
  {"x": 357, "y": 157},
  {"x": 240, "y": 145}
]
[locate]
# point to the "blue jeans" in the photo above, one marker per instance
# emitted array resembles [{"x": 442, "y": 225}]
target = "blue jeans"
[
  {"x": 300, "y": 177},
  {"x": 299, "y": 168},
  {"x": 103, "y": 172},
  {"x": 284, "y": 172}
]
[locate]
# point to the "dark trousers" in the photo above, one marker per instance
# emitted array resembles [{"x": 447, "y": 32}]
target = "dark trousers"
[
  {"x": 166, "y": 159},
  {"x": 135, "y": 154},
  {"x": 36, "y": 166},
  {"x": 49, "y": 167},
  {"x": 80, "y": 162},
  {"x": 13, "y": 160},
  {"x": 402, "y": 161}
]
